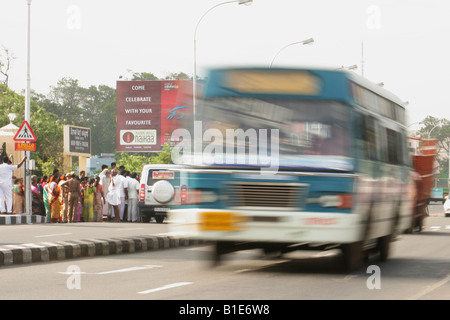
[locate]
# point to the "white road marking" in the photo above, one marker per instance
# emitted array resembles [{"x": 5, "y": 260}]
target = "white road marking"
[
  {"x": 115, "y": 271},
  {"x": 53, "y": 235},
  {"x": 72, "y": 273},
  {"x": 430, "y": 288},
  {"x": 130, "y": 269},
  {"x": 169, "y": 286}
]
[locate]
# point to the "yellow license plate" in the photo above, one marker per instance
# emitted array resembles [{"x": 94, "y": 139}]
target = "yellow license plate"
[{"x": 221, "y": 221}]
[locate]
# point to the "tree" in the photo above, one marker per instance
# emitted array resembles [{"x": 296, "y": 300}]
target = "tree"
[
  {"x": 46, "y": 126},
  {"x": 134, "y": 163},
  {"x": 163, "y": 157},
  {"x": 438, "y": 129},
  {"x": 6, "y": 57},
  {"x": 93, "y": 107},
  {"x": 144, "y": 76},
  {"x": 177, "y": 76}
]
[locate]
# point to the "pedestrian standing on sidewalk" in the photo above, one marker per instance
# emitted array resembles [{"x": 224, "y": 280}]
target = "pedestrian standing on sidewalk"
[
  {"x": 19, "y": 192},
  {"x": 6, "y": 184},
  {"x": 74, "y": 196},
  {"x": 105, "y": 178},
  {"x": 54, "y": 192},
  {"x": 37, "y": 202},
  {"x": 64, "y": 197},
  {"x": 113, "y": 195},
  {"x": 88, "y": 200},
  {"x": 132, "y": 192},
  {"x": 99, "y": 200}
]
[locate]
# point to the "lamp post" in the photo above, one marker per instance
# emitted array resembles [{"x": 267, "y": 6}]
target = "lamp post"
[
  {"x": 194, "y": 83},
  {"x": 27, "y": 177},
  {"x": 429, "y": 132},
  {"x": 352, "y": 67},
  {"x": 304, "y": 42}
]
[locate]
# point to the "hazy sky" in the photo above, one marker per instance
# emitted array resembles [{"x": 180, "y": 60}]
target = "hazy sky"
[{"x": 405, "y": 42}]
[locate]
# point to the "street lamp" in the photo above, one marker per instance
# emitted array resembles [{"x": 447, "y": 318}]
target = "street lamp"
[
  {"x": 304, "y": 42},
  {"x": 429, "y": 132},
  {"x": 353, "y": 67},
  {"x": 27, "y": 177},
  {"x": 194, "y": 89}
]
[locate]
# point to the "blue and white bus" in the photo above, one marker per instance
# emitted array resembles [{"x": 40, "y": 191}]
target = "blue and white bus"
[{"x": 329, "y": 166}]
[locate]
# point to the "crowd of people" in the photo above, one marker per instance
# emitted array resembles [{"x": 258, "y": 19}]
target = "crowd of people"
[{"x": 112, "y": 195}]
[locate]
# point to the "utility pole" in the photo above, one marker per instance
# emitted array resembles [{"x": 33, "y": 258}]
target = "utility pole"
[
  {"x": 362, "y": 58},
  {"x": 27, "y": 171}
]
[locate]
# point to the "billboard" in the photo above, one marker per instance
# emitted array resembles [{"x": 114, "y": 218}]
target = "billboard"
[{"x": 148, "y": 111}]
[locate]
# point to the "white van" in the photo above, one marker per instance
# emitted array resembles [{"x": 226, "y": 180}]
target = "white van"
[{"x": 160, "y": 187}]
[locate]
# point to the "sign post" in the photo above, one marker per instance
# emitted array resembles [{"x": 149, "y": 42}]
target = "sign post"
[{"x": 25, "y": 139}]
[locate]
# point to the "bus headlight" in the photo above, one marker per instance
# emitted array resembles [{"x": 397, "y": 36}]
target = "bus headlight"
[{"x": 341, "y": 201}]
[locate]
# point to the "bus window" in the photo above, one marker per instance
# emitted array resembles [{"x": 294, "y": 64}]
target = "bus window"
[
  {"x": 369, "y": 138},
  {"x": 394, "y": 147}
]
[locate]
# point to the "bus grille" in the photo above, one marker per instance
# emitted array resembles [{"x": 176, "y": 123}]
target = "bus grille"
[{"x": 266, "y": 195}]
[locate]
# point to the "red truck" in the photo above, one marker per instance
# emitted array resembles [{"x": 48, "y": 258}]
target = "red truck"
[{"x": 423, "y": 160}]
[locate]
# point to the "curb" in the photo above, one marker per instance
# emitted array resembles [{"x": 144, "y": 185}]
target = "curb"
[
  {"x": 21, "y": 219},
  {"x": 60, "y": 250}
]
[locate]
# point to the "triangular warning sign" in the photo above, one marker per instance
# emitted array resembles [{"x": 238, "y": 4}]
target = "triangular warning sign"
[{"x": 25, "y": 133}]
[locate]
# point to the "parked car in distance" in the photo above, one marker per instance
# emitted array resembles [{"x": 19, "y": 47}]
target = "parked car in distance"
[{"x": 160, "y": 187}]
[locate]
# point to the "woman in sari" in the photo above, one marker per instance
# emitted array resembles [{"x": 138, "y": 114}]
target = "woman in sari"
[
  {"x": 88, "y": 201},
  {"x": 99, "y": 200},
  {"x": 44, "y": 186},
  {"x": 53, "y": 198},
  {"x": 37, "y": 203},
  {"x": 18, "y": 196}
]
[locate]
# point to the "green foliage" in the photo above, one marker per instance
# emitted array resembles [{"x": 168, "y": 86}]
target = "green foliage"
[
  {"x": 177, "y": 76},
  {"x": 134, "y": 163},
  {"x": 11, "y": 102},
  {"x": 438, "y": 129},
  {"x": 46, "y": 126},
  {"x": 144, "y": 76},
  {"x": 163, "y": 157}
]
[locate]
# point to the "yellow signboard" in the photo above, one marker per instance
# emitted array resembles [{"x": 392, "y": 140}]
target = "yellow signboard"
[
  {"x": 23, "y": 146},
  {"x": 273, "y": 82}
]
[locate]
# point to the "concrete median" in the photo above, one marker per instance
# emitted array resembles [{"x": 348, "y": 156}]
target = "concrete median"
[{"x": 72, "y": 249}]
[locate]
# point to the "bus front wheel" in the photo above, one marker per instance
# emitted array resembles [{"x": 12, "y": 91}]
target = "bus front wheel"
[{"x": 353, "y": 255}]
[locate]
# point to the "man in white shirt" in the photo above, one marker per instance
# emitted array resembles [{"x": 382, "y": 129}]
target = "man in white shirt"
[
  {"x": 132, "y": 187},
  {"x": 6, "y": 174},
  {"x": 123, "y": 196},
  {"x": 105, "y": 177}
]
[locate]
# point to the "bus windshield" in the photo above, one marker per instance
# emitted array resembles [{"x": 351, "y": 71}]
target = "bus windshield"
[{"x": 306, "y": 127}]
